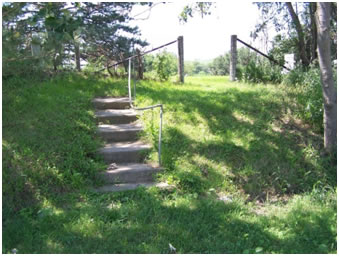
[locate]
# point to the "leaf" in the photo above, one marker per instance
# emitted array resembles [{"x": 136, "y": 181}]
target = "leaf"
[{"x": 259, "y": 249}]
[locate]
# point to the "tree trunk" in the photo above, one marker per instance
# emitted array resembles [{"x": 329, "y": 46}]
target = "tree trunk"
[
  {"x": 329, "y": 91},
  {"x": 300, "y": 32},
  {"x": 313, "y": 8},
  {"x": 55, "y": 64},
  {"x": 77, "y": 56},
  {"x": 108, "y": 70}
]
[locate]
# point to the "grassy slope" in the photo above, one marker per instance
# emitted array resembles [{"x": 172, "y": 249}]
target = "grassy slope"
[{"x": 220, "y": 140}]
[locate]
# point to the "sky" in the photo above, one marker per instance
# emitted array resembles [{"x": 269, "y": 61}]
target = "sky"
[{"x": 204, "y": 38}]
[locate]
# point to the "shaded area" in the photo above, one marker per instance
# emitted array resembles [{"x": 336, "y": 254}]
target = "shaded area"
[{"x": 146, "y": 221}]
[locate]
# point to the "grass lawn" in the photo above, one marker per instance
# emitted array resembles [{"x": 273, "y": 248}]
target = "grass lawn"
[{"x": 248, "y": 174}]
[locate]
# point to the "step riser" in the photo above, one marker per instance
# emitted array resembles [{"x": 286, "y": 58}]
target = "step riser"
[
  {"x": 131, "y": 186},
  {"x": 130, "y": 176},
  {"x": 124, "y": 157},
  {"x": 111, "y": 105},
  {"x": 119, "y": 136},
  {"x": 117, "y": 119}
]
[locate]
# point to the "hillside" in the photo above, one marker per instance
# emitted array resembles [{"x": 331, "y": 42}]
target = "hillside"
[{"x": 249, "y": 176}]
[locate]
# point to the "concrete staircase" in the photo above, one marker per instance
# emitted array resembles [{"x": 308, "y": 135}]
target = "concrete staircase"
[{"x": 118, "y": 126}]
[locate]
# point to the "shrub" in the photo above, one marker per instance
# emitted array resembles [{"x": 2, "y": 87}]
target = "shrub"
[
  {"x": 306, "y": 86},
  {"x": 256, "y": 72},
  {"x": 161, "y": 66},
  {"x": 294, "y": 77}
]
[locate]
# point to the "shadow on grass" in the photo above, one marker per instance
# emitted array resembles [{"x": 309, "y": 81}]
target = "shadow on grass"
[
  {"x": 146, "y": 222},
  {"x": 274, "y": 161}
]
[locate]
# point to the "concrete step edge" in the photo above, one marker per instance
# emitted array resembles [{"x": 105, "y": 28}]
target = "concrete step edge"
[
  {"x": 116, "y": 103},
  {"x": 115, "y": 112},
  {"x": 135, "y": 172},
  {"x": 131, "y": 186},
  {"x": 124, "y": 147},
  {"x": 109, "y": 128}
]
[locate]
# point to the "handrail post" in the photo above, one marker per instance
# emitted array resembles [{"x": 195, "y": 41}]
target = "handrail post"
[
  {"x": 160, "y": 129},
  {"x": 129, "y": 81},
  {"x": 134, "y": 81}
]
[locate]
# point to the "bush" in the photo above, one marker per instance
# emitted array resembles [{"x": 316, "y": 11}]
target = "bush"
[
  {"x": 161, "y": 66},
  {"x": 308, "y": 93},
  {"x": 259, "y": 72},
  {"x": 295, "y": 77}
]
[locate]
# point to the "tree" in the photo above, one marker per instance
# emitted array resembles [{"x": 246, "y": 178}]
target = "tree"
[
  {"x": 220, "y": 65},
  {"x": 107, "y": 34},
  {"x": 165, "y": 65},
  {"x": 301, "y": 37},
  {"x": 203, "y": 8},
  {"x": 298, "y": 21},
  {"x": 323, "y": 15},
  {"x": 67, "y": 32}
]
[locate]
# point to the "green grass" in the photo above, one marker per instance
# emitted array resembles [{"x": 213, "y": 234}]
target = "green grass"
[{"x": 225, "y": 140}]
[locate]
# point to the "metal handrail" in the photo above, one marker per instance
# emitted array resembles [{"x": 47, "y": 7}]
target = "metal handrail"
[
  {"x": 144, "y": 108},
  {"x": 160, "y": 125},
  {"x": 130, "y": 93}
]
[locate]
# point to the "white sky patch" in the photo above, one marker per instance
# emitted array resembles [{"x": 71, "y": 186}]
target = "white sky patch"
[{"x": 204, "y": 38}]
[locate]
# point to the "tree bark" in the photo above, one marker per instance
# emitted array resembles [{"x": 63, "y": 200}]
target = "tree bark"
[
  {"x": 108, "y": 70},
  {"x": 329, "y": 91},
  {"x": 313, "y": 8},
  {"x": 300, "y": 32},
  {"x": 77, "y": 56}
]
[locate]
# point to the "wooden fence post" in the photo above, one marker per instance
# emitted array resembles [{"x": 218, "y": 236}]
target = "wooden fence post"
[
  {"x": 233, "y": 62},
  {"x": 181, "y": 58}
]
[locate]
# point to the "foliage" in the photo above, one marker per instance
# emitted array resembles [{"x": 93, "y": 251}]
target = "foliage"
[
  {"x": 220, "y": 66},
  {"x": 196, "y": 68},
  {"x": 296, "y": 27},
  {"x": 203, "y": 8},
  {"x": 62, "y": 30},
  {"x": 305, "y": 88},
  {"x": 253, "y": 68},
  {"x": 161, "y": 66}
]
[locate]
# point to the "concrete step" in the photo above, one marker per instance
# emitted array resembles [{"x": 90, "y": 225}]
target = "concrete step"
[
  {"x": 131, "y": 186},
  {"x": 116, "y": 116},
  {"x": 124, "y": 152},
  {"x": 111, "y": 103},
  {"x": 119, "y": 132},
  {"x": 130, "y": 173}
]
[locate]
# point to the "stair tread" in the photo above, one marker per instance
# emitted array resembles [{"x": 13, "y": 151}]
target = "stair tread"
[
  {"x": 132, "y": 186},
  {"x": 111, "y": 99},
  {"x": 125, "y": 146},
  {"x": 119, "y": 127},
  {"x": 126, "y": 173},
  {"x": 115, "y": 112},
  {"x": 134, "y": 167}
]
